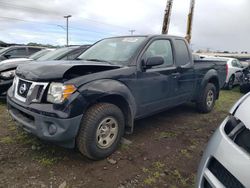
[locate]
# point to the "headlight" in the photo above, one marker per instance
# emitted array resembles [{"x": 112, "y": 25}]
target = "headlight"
[
  {"x": 58, "y": 92},
  {"x": 8, "y": 74}
]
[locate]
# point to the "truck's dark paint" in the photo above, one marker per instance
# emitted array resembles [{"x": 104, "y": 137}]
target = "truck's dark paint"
[{"x": 137, "y": 91}]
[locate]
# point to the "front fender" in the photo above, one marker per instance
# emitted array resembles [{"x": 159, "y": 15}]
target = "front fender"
[{"x": 94, "y": 90}]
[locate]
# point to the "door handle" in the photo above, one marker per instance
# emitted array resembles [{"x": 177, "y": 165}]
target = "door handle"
[{"x": 176, "y": 75}]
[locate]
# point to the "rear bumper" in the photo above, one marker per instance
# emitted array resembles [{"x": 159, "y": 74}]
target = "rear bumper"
[
  {"x": 53, "y": 129},
  {"x": 232, "y": 158},
  {"x": 4, "y": 86}
]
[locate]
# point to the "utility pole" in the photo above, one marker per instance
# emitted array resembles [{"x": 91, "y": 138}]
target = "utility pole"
[
  {"x": 67, "y": 28},
  {"x": 167, "y": 15},
  {"x": 190, "y": 21},
  {"x": 131, "y": 31}
]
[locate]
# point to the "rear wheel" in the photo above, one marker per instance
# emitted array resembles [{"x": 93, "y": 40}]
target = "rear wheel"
[
  {"x": 101, "y": 131},
  {"x": 207, "y": 100},
  {"x": 230, "y": 83}
]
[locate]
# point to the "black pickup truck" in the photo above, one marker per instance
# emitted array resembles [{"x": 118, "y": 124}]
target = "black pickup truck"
[{"x": 91, "y": 103}]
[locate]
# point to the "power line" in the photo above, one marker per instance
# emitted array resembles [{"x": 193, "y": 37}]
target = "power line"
[
  {"x": 25, "y": 8},
  {"x": 36, "y": 22}
]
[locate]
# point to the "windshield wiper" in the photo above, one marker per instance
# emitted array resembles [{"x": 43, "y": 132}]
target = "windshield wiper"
[{"x": 99, "y": 60}]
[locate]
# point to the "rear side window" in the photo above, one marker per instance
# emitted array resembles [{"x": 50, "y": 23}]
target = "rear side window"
[
  {"x": 33, "y": 50},
  {"x": 17, "y": 52},
  {"x": 161, "y": 48},
  {"x": 182, "y": 52}
]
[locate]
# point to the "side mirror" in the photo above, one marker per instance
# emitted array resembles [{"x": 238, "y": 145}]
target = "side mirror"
[{"x": 153, "y": 61}]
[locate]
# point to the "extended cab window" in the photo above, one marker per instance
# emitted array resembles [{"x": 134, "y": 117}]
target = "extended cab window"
[
  {"x": 183, "y": 56},
  {"x": 161, "y": 48}
]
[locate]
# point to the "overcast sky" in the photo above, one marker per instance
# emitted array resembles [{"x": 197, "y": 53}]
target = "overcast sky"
[{"x": 218, "y": 24}]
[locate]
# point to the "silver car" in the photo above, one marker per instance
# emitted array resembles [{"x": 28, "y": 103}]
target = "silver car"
[{"x": 226, "y": 160}]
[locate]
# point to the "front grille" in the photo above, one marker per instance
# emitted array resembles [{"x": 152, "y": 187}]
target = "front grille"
[
  {"x": 29, "y": 91},
  {"x": 223, "y": 175},
  {"x": 23, "y": 88}
]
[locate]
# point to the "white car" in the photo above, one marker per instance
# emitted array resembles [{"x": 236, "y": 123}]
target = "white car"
[
  {"x": 234, "y": 72},
  {"x": 226, "y": 160}
]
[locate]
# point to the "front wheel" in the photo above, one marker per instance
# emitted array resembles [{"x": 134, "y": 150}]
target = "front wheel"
[
  {"x": 101, "y": 131},
  {"x": 206, "y": 102}
]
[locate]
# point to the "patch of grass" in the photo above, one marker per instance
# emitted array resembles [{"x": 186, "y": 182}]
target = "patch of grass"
[
  {"x": 185, "y": 153},
  {"x": 7, "y": 140},
  {"x": 180, "y": 178},
  {"x": 227, "y": 99},
  {"x": 167, "y": 134},
  {"x": 153, "y": 173},
  {"x": 158, "y": 165},
  {"x": 124, "y": 147},
  {"x": 149, "y": 180},
  {"x": 46, "y": 160},
  {"x": 25, "y": 138}
]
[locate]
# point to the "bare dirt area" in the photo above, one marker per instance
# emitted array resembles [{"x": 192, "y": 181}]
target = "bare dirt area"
[{"x": 165, "y": 152}]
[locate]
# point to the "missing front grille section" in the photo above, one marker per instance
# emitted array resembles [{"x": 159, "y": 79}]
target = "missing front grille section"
[
  {"x": 223, "y": 175},
  {"x": 231, "y": 124},
  {"x": 243, "y": 139},
  {"x": 206, "y": 184}
]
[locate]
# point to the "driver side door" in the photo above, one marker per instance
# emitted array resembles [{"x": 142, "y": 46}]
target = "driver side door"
[{"x": 155, "y": 86}]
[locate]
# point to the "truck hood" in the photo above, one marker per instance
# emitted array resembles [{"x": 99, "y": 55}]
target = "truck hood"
[
  {"x": 241, "y": 110},
  {"x": 58, "y": 70}
]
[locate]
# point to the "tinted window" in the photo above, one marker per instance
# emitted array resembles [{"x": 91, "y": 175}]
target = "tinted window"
[
  {"x": 33, "y": 50},
  {"x": 17, "y": 52},
  {"x": 160, "y": 48},
  {"x": 182, "y": 51}
]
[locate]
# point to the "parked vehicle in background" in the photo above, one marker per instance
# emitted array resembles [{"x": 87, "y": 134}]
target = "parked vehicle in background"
[
  {"x": 65, "y": 53},
  {"x": 18, "y": 52},
  {"x": 7, "y": 69},
  {"x": 234, "y": 73},
  {"x": 226, "y": 162},
  {"x": 245, "y": 81},
  {"x": 93, "y": 101},
  {"x": 16, "y": 61}
]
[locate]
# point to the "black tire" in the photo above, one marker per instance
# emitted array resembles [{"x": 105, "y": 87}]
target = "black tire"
[
  {"x": 87, "y": 141},
  {"x": 202, "y": 104},
  {"x": 230, "y": 83}
]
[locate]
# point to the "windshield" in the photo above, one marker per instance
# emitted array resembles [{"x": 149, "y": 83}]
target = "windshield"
[
  {"x": 54, "y": 54},
  {"x": 39, "y": 54},
  {"x": 115, "y": 50}
]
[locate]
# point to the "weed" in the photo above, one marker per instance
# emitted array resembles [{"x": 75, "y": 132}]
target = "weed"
[
  {"x": 46, "y": 160},
  {"x": 185, "y": 153},
  {"x": 158, "y": 165},
  {"x": 167, "y": 134},
  {"x": 7, "y": 140},
  {"x": 149, "y": 180}
]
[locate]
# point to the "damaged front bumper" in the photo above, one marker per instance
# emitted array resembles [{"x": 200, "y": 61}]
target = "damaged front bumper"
[{"x": 53, "y": 129}]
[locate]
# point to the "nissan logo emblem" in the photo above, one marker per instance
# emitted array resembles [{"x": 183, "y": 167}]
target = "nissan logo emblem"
[{"x": 22, "y": 89}]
